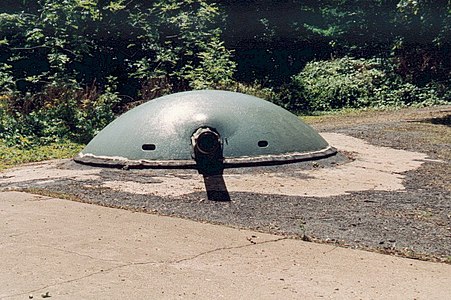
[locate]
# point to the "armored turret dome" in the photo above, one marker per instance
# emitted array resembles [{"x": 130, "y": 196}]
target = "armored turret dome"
[{"x": 180, "y": 129}]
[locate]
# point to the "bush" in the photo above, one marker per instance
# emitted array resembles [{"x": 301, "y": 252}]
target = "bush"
[
  {"x": 353, "y": 83},
  {"x": 42, "y": 42},
  {"x": 254, "y": 89},
  {"x": 61, "y": 112}
]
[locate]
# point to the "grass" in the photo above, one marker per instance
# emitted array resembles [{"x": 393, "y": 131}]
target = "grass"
[
  {"x": 319, "y": 117},
  {"x": 13, "y": 156},
  {"x": 349, "y": 117}
]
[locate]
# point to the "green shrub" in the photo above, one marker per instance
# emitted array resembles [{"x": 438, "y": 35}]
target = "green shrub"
[
  {"x": 253, "y": 89},
  {"x": 7, "y": 82},
  {"x": 60, "y": 112},
  {"x": 341, "y": 83},
  {"x": 49, "y": 41},
  {"x": 353, "y": 83}
]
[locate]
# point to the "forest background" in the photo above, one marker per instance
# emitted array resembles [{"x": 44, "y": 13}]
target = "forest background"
[{"x": 69, "y": 67}]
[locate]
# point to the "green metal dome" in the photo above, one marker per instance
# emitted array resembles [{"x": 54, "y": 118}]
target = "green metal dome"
[{"x": 168, "y": 131}]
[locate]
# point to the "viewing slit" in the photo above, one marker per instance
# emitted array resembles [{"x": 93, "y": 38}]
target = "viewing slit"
[
  {"x": 149, "y": 147},
  {"x": 263, "y": 144}
]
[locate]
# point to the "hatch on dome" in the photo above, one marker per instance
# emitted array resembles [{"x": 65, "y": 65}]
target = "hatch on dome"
[{"x": 198, "y": 129}]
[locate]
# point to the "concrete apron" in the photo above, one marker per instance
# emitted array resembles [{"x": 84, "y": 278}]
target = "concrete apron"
[
  {"x": 69, "y": 250},
  {"x": 373, "y": 168}
]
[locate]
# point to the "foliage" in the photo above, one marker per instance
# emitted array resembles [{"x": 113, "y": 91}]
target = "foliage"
[
  {"x": 215, "y": 67},
  {"x": 254, "y": 89},
  {"x": 182, "y": 43},
  {"x": 49, "y": 41},
  {"x": 62, "y": 112},
  {"x": 354, "y": 83},
  {"x": 415, "y": 32},
  {"x": 6, "y": 80},
  {"x": 62, "y": 63}
]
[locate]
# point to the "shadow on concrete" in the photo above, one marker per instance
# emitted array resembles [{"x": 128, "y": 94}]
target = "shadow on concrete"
[
  {"x": 216, "y": 188},
  {"x": 445, "y": 120}
]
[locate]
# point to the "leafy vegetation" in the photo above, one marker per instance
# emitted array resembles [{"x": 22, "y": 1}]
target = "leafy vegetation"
[
  {"x": 354, "y": 83},
  {"x": 50, "y": 42},
  {"x": 58, "y": 113}
]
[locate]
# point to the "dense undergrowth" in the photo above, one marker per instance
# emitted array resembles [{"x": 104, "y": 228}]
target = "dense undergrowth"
[{"x": 346, "y": 82}]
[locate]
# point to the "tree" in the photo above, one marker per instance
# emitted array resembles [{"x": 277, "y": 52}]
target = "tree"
[
  {"x": 50, "y": 42},
  {"x": 277, "y": 38},
  {"x": 424, "y": 42}
]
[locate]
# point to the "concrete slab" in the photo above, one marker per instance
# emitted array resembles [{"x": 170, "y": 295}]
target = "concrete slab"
[{"x": 72, "y": 250}]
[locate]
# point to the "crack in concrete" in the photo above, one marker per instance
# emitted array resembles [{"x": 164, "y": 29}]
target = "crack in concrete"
[
  {"x": 82, "y": 255},
  {"x": 228, "y": 248},
  {"x": 39, "y": 198},
  {"x": 102, "y": 271},
  {"x": 19, "y": 234},
  {"x": 124, "y": 265}
]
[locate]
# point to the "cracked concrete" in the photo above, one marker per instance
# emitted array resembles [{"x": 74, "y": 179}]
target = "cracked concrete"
[{"x": 80, "y": 251}]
